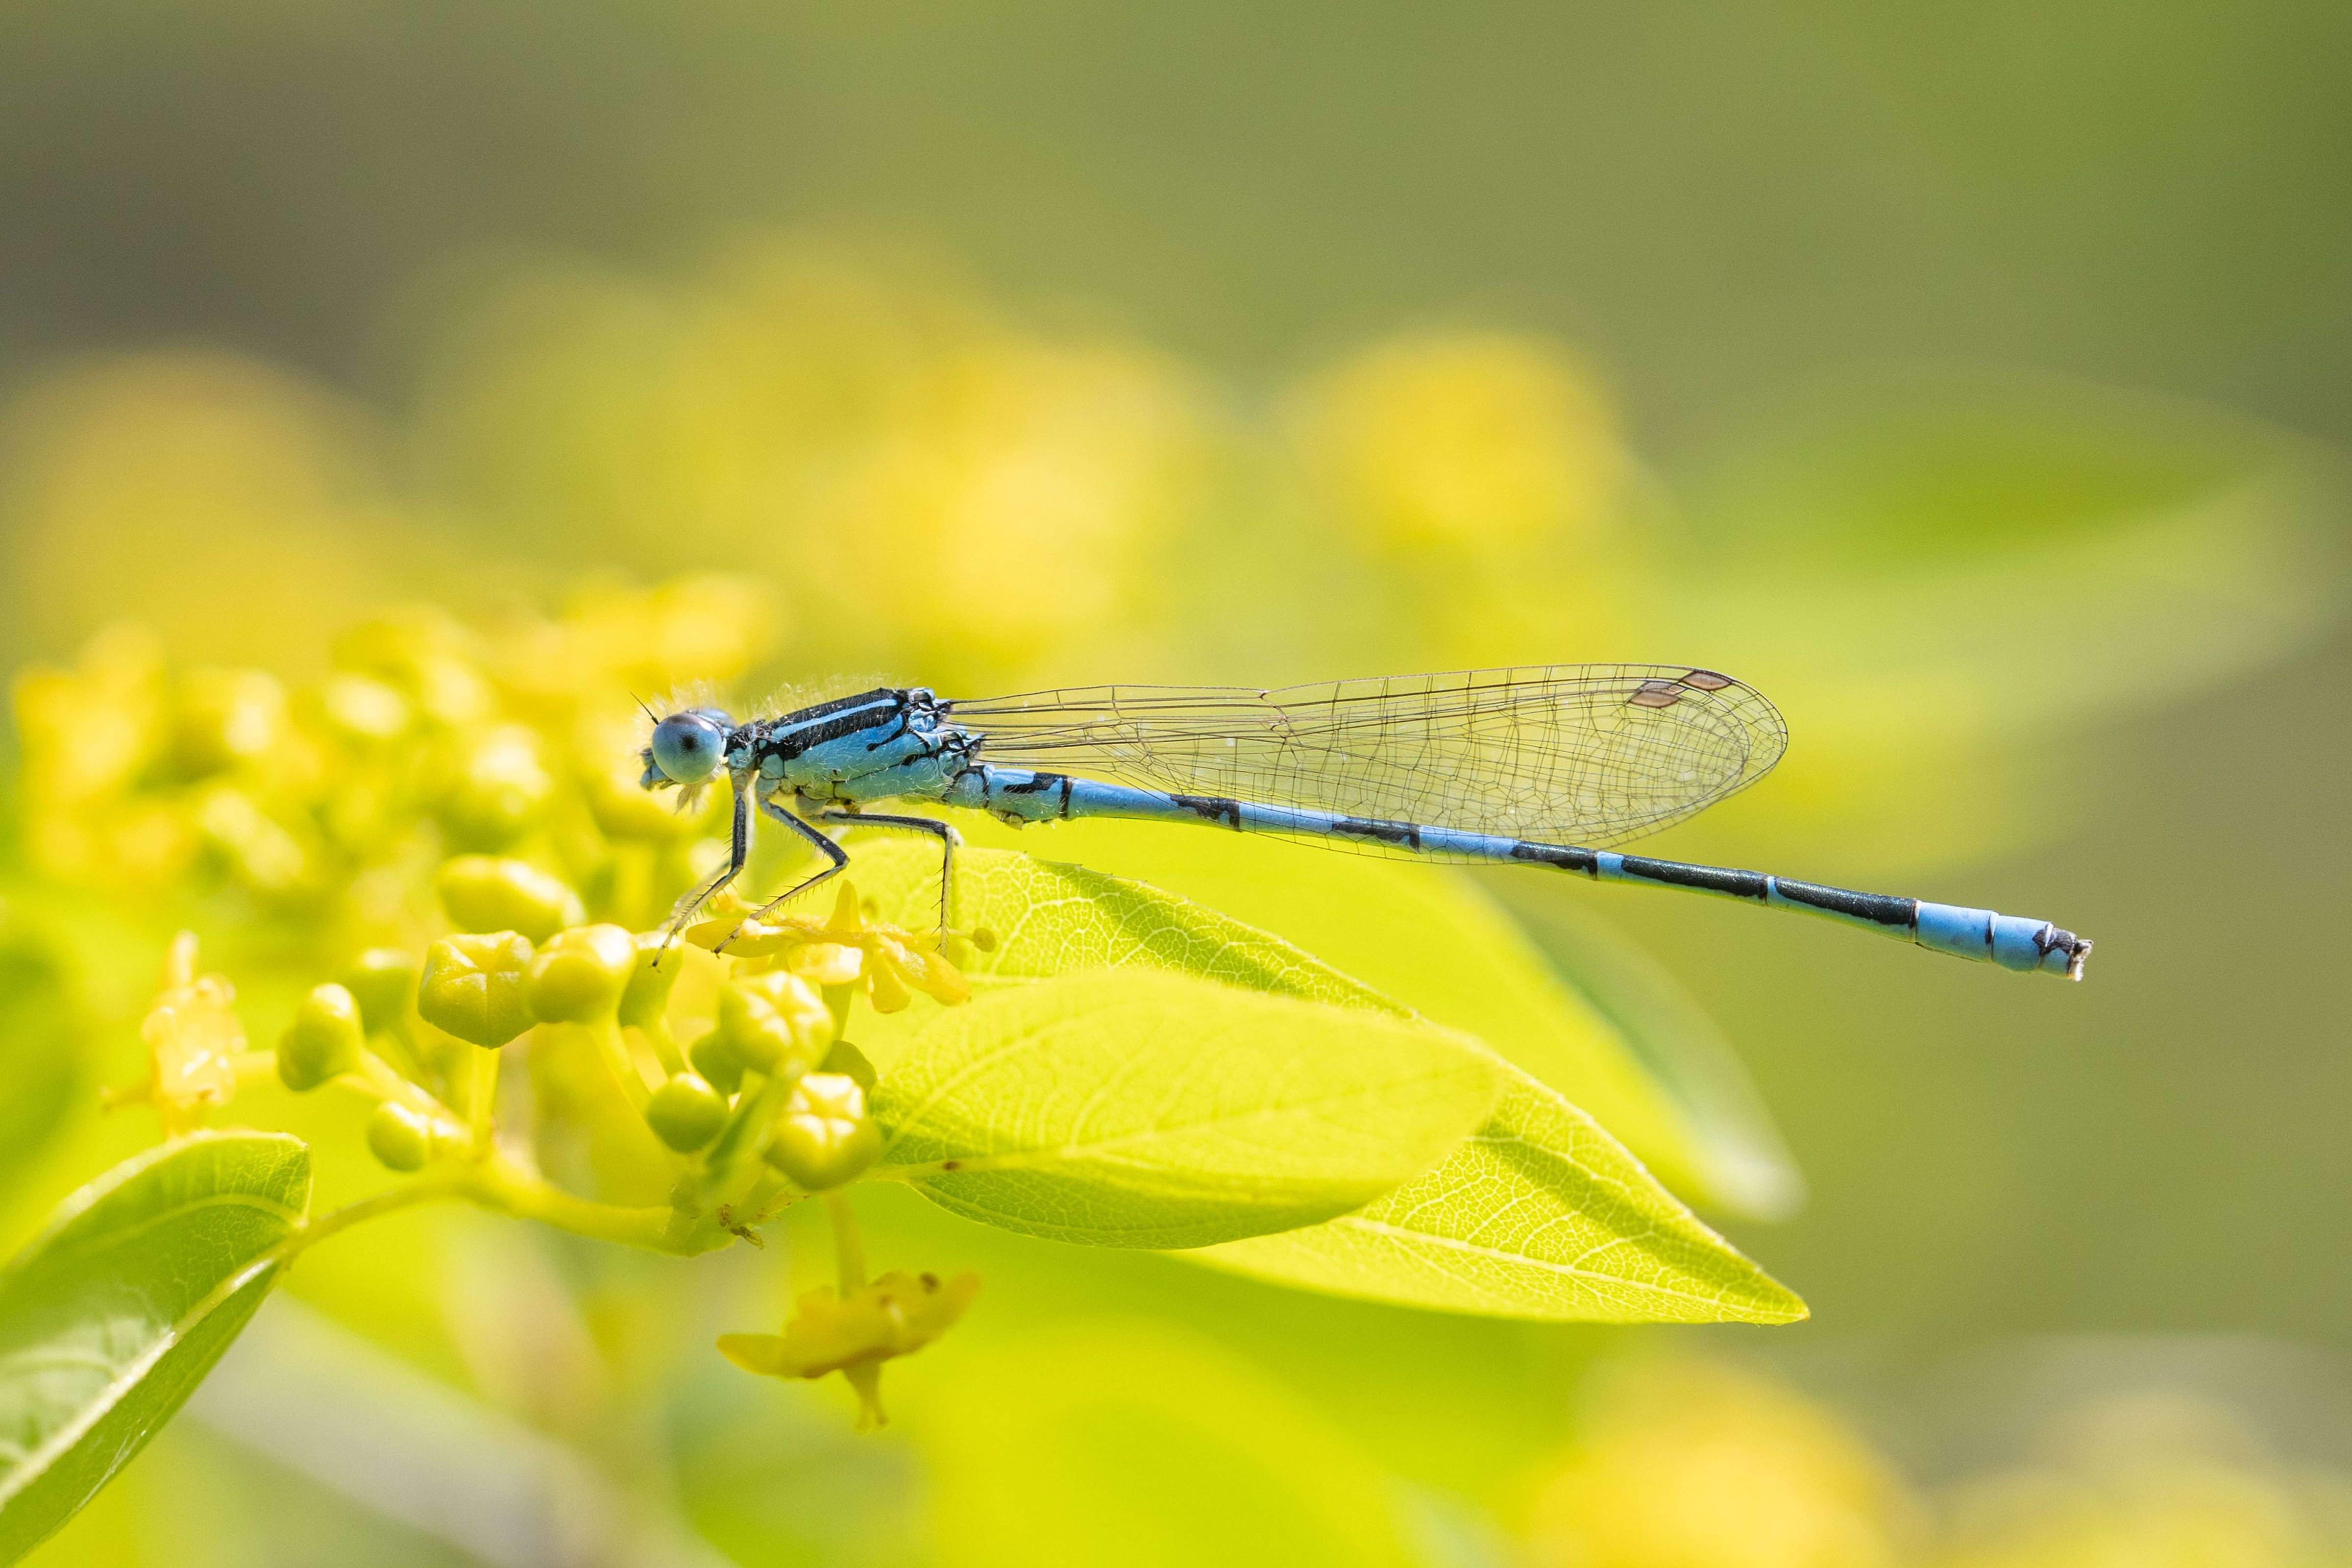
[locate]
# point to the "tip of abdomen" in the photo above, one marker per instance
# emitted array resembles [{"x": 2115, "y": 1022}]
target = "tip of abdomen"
[{"x": 2013, "y": 943}]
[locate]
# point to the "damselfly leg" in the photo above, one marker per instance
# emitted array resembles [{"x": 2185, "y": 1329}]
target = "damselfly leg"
[
  {"x": 739, "y": 852},
  {"x": 950, "y": 842},
  {"x": 832, "y": 851}
]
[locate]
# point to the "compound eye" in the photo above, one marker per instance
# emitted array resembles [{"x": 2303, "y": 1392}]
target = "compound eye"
[{"x": 685, "y": 747}]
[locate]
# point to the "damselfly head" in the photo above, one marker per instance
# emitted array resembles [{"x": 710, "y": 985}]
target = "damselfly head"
[{"x": 687, "y": 748}]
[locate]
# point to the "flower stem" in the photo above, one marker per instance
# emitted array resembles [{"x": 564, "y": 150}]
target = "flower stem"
[
  {"x": 500, "y": 1184},
  {"x": 623, "y": 1065},
  {"x": 442, "y": 1186},
  {"x": 848, "y": 1243},
  {"x": 664, "y": 1046},
  {"x": 481, "y": 1099}
]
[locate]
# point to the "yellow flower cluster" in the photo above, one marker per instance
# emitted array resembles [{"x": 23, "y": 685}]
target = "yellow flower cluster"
[
  {"x": 448, "y": 822},
  {"x": 325, "y": 803}
]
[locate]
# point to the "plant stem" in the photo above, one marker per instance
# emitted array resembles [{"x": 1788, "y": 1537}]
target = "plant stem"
[
  {"x": 623, "y": 1065},
  {"x": 664, "y": 1046},
  {"x": 502, "y": 1184},
  {"x": 498, "y": 1182},
  {"x": 379, "y": 1080},
  {"x": 848, "y": 1243},
  {"x": 754, "y": 1108},
  {"x": 481, "y": 1099},
  {"x": 760, "y": 1202},
  {"x": 442, "y": 1186}
]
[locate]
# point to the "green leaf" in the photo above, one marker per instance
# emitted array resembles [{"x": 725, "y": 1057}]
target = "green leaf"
[
  {"x": 1139, "y": 1110},
  {"x": 111, "y": 1317},
  {"x": 1050, "y": 919},
  {"x": 1426, "y": 937},
  {"x": 1540, "y": 1215},
  {"x": 1747, "y": 1167}
]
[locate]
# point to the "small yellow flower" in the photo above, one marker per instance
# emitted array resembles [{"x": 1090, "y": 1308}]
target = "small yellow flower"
[
  {"x": 403, "y": 1138},
  {"x": 845, "y": 949},
  {"x": 580, "y": 975},
  {"x": 192, "y": 1041},
  {"x": 256, "y": 848},
  {"x": 324, "y": 1040},
  {"x": 363, "y": 710},
  {"x": 383, "y": 981},
  {"x": 774, "y": 1022},
  {"x": 225, "y": 717},
  {"x": 686, "y": 1113},
  {"x": 824, "y": 1137},
  {"x": 896, "y": 1315},
  {"x": 487, "y": 892},
  {"x": 502, "y": 785},
  {"x": 426, "y": 656},
  {"x": 474, "y": 987}
]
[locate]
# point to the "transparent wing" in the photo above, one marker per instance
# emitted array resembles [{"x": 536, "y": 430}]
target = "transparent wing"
[{"x": 1587, "y": 754}]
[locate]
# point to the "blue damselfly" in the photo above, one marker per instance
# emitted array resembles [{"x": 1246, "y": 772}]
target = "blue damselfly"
[{"x": 1545, "y": 765}]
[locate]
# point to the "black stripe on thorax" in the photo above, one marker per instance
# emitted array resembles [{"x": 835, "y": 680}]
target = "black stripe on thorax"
[
  {"x": 879, "y": 695},
  {"x": 811, "y": 726}
]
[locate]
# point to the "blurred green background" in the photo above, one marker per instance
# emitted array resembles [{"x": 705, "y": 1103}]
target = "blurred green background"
[{"x": 1971, "y": 381}]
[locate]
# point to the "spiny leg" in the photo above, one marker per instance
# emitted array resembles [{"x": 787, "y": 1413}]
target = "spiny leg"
[
  {"x": 739, "y": 852},
  {"x": 950, "y": 842},
  {"x": 833, "y": 852}
]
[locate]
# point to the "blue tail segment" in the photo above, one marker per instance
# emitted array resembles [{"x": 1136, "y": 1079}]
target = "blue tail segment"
[
  {"x": 1020, "y": 796},
  {"x": 2006, "y": 939}
]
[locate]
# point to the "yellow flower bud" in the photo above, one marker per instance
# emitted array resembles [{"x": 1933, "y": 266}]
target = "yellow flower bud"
[
  {"x": 499, "y": 790},
  {"x": 650, "y": 979},
  {"x": 256, "y": 848},
  {"x": 581, "y": 974},
  {"x": 225, "y": 717},
  {"x": 473, "y": 987},
  {"x": 823, "y": 1137},
  {"x": 484, "y": 892},
  {"x": 774, "y": 1022},
  {"x": 400, "y": 1138},
  {"x": 686, "y": 1113},
  {"x": 324, "y": 1040},
  {"x": 362, "y": 708},
  {"x": 382, "y": 980},
  {"x": 716, "y": 1060}
]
